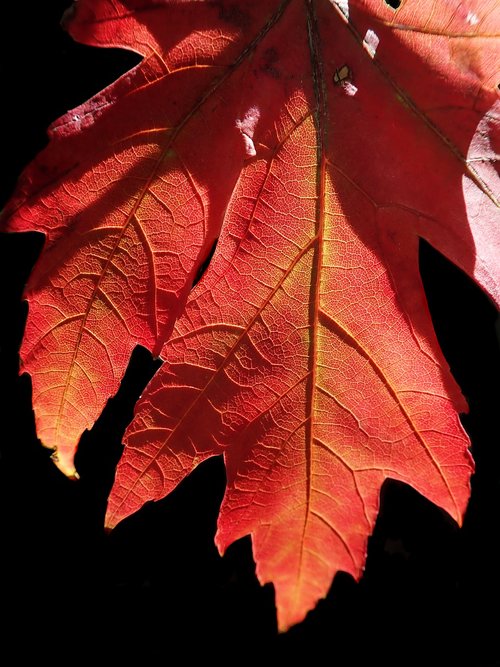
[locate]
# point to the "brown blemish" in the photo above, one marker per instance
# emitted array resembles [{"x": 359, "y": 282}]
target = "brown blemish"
[{"x": 269, "y": 59}]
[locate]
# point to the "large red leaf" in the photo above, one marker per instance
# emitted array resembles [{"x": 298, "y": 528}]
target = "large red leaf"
[{"x": 321, "y": 139}]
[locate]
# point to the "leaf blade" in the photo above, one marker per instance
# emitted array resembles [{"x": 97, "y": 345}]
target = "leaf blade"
[
  {"x": 306, "y": 354},
  {"x": 363, "y": 425}
]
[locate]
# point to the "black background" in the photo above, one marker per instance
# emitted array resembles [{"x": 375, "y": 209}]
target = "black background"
[{"x": 155, "y": 589}]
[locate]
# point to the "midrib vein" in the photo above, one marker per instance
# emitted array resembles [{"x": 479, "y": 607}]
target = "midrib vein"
[{"x": 320, "y": 116}]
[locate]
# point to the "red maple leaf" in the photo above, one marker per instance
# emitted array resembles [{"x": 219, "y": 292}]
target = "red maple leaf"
[{"x": 319, "y": 141}]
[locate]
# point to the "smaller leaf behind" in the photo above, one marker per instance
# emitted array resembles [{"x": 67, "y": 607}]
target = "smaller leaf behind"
[{"x": 126, "y": 198}]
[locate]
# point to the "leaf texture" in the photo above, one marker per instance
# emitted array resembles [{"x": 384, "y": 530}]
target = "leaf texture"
[{"x": 318, "y": 141}]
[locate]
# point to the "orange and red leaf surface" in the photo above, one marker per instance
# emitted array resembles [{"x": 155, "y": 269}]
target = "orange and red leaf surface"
[{"x": 300, "y": 150}]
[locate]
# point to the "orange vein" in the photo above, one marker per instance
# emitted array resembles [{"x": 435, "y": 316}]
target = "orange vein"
[{"x": 320, "y": 118}]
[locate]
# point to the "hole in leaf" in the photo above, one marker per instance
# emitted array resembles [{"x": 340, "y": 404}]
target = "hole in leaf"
[
  {"x": 341, "y": 75},
  {"x": 393, "y": 4},
  {"x": 204, "y": 265}
]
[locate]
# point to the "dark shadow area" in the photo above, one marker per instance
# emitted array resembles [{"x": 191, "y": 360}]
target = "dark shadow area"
[
  {"x": 204, "y": 265},
  {"x": 156, "y": 588},
  {"x": 100, "y": 448}
]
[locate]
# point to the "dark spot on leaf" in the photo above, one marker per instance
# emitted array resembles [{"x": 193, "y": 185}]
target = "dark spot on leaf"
[
  {"x": 269, "y": 60},
  {"x": 393, "y": 4}
]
